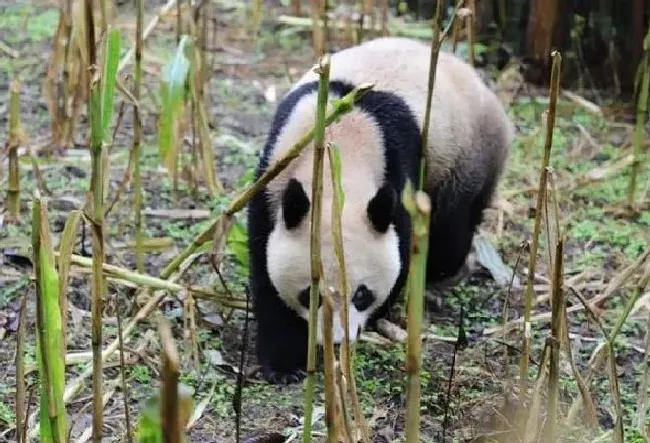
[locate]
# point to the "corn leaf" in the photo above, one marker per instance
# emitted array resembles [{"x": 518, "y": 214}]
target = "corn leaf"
[
  {"x": 172, "y": 88},
  {"x": 65, "y": 254},
  {"x": 149, "y": 424},
  {"x": 109, "y": 77},
  {"x": 50, "y": 349},
  {"x": 149, "y": 429}
]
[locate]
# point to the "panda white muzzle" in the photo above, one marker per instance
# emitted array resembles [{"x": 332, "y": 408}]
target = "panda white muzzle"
[{"x": 358, "y": 314}]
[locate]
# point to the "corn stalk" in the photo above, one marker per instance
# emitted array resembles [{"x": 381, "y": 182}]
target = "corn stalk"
[
  {"x": 419, "y": 207},
  {"x": 541, "y": 197},
  {"x": 557, "y": 317},
  {"x": 101, "y": 89},
  {"x": 433, "y": 63},
  {"x": 346, "y": 355},
  {"x": 170, "y": 412},
  {"x": 21, "y": 413},
  {"x": 137, "y": 137},
  {"x": 15, "y": 138},
  {"x": 323, "y": 70}
]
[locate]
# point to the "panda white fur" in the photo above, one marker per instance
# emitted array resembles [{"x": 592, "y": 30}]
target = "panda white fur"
[{"x": 380, "y": 143}]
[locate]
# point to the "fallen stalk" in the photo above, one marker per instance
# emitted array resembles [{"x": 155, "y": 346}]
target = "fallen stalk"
[{"x": 158, "y": 283}]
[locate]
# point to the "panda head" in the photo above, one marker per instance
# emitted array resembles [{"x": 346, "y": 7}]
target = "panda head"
[{"x": 371, "y": 251}]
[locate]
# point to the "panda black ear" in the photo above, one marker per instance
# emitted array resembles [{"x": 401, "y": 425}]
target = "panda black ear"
[
  {"x": 381, "y": 208},
  {"x": 295, "y": 204}
]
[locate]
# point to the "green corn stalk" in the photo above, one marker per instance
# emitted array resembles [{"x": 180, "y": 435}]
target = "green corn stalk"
[
  {"x": 418, "y": 206},
  {"x": 50, "y": 344},
  {"x": 100, "y": 109}
]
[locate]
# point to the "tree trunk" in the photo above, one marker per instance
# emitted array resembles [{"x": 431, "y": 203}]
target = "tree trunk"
[
  {"x": 542, "y": 21},
  {"x": 547, "y": 29}
]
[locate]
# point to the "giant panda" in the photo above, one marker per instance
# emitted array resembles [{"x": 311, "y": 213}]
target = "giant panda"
[{"x": 380, "y": 144}]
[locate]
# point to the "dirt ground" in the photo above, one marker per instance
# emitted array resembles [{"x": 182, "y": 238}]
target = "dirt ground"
[{"x": 479, "y": 401}]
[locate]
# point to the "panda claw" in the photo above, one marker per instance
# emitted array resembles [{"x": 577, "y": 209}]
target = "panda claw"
[{"x": 284, "y": 378}]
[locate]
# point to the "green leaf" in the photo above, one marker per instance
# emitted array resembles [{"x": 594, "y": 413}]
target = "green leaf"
[
  {"x": 172, "y": 89},
  {"x": 238, "y": 243},
  {"x": 149, "y": 430},
  {"x": 149, "y": 424},
  {"x": 66, "y": 247},
  {"x": 109, "y": 78},
  {"x": 50, "y": 345}
]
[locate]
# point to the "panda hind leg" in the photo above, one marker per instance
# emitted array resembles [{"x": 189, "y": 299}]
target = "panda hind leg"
[{"x": 455, "y": 218}]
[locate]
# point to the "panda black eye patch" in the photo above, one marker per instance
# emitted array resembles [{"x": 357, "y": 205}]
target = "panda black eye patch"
[
  {"x": 295, "y": 204},
  {"x": 381, "y": 208},
  {"x": 304, "y": 295},
  {"x": 363, "y": 298}
]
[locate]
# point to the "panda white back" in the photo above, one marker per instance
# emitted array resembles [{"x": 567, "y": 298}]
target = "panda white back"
[{"x": 460, "y": 97}]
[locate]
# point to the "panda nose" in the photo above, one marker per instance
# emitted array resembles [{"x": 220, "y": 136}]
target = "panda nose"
[{"x": 363, "y": 298}]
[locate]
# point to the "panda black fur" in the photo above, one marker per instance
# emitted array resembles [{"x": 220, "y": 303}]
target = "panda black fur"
[{"x": 379, "y": 142}]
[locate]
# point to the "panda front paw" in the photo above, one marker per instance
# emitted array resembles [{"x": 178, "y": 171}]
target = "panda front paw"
[{"x": 283, "y": 377}]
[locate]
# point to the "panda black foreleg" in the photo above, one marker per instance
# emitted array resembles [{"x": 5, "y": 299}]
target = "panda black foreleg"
[
  {"x": 281, "y": 334},
  {"x": 281, "y": 338}
]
